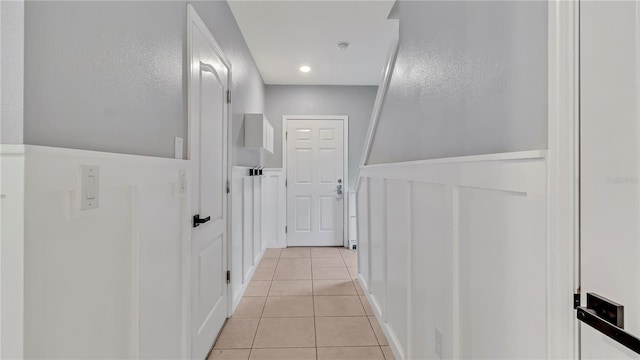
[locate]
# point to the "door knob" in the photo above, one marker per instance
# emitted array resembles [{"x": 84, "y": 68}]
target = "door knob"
[{"x": 339, "y": 189}]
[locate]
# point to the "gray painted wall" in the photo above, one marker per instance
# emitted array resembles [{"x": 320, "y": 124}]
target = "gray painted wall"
[
  {"x": 112, "y": 75},
  {"x": 353, "y": 101},
  {"x": 470, "y": 78},
  {"x": 12, "y": 73}
]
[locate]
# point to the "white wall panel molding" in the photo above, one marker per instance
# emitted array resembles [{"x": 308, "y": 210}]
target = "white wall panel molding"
[
  {"x": 12, "y": 251},
  {"x": 458, "y": 246},
  {"x": 252, "y": 227},
  {"x": 105, "y": 282},
  {"x": 274, "y": 208}
]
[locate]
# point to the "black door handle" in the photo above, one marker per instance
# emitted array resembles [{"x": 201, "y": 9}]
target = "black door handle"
[
  {"x": 607, "y": 317},
  {"x": 197, "y": 221}
]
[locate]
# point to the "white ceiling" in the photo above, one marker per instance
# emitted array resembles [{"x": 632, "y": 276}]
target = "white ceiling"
[{"x": 283, "y": 35}]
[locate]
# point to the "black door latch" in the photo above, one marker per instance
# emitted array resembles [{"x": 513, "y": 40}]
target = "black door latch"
[{"x": 197, "y": 221}]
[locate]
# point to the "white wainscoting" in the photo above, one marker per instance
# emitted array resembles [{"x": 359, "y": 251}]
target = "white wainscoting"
[
  {"x": 458, "y": 246},
  {"x": 100, "y": 283},
  {"x": 257, "y": 205},
  {"x": 274, "y": 208}
]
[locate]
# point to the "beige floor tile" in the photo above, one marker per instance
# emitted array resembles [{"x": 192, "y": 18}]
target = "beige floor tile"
[
  {"x": 288, "y": 262},
  {"x": 257, "y": 288},
  {"x": 288, "y": 306},
  {"x": 272, "y": 253},
  {"x": 284, "y": 354},
  {"x": 333, "y": 287},
  {"x": 291, "y": 287},
  {"x": 301, "y": 272},
  {"x": 328, "y": 261},
  {"x": 250, "y": 307},
  {"x": 351, "y": 261},
  {"x": 349, "y": 256},
  {"x": 330, "y": 273},
  {"x": 296, "y": 253},
  {"x": 338, "y": 306},
  {"x": 237, "y": 334},
  {"x": 229, "y": 354},
  {"x": 367, "y": 307},
  {"x": 263, "y": 274},
  {"x": 353, "y": 271},
  {"x": 388, "y": 354},
  {"x": 285, "y": 333},
  {"x": 382, "y": 340},
  {"x": 344, "y": 331},
  {"x": 325, "y": 252},
  {"x": 350, "y": 353},
  {"x": 356, "y": 283},
  {"x": 268, "y": 263}
]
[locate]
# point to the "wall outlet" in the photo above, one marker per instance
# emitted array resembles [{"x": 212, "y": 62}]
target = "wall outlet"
[
  {"x": 439, "y": 343},
  {"x": 178, "y": 148}
]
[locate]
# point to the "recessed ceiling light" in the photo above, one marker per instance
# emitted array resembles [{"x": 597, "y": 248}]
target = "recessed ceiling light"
[
  {"x": 343, "y": 45},
  {"x": 305, "y": 68}
]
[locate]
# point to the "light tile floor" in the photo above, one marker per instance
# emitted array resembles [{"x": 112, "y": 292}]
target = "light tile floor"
[{"x": 303, "y": 303}]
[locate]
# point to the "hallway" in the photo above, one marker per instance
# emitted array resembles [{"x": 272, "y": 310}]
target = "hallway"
[{"x": 303, "y": 303}]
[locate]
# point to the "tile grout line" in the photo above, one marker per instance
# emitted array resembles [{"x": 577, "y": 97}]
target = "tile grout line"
[{"x": 263, "y": 307}]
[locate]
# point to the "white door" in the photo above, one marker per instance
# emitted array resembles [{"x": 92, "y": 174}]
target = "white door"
[
  {"x": 610, "y": 156},
  {"x": 315, "y": 182},
  {"x": 208, "y": 154}
]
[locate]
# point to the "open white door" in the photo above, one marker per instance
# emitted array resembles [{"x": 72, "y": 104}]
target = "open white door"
[
  {"x": 610, "y": 189},
  {"x": 208, "y": 83},
  {"x": 315, "y": 182}
]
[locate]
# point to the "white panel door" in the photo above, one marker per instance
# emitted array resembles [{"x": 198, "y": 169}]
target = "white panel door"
[
  {"x": 609, "y": 151},
  {"x": 315, "y": 181},
  {"x": 208, "y": 153}
]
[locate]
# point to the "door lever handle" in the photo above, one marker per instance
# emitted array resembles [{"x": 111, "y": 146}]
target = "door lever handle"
[
  {"x": 607, "y": 317},
  {"x": 339, "y": 189},
  {"x": 197, "y": 220}
]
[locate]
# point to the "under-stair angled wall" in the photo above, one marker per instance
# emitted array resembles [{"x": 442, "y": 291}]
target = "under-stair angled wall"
[{"x": 452, "y": 199}]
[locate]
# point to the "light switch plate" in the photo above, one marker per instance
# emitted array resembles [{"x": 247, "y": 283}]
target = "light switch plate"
[
  {"x": 178, "y": 148},
  {"x": 90, "y": 187},
  {"x": 182, "y": 181}
]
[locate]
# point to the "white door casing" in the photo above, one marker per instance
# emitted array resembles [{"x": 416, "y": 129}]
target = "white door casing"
[
  {"x": 609, "y": 166},
  {"x": 208, "y": 122},
  {"x": 314, "y": 157}
]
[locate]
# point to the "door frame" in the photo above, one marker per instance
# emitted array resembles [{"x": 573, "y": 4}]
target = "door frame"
[
  {"x": 563, "y": 178},
  {"x": 193, "y": 18},
  {"x": 346, "y": 191}
]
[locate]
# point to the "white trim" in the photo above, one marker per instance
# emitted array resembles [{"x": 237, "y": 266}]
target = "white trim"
[
  {"x": 12, "y": 249},
  {"x": 383, "y": 86},
  {"x": 345, "y": 123},
  {"x": 563, "y": 177},
  {"x": 530, "y": 154}
]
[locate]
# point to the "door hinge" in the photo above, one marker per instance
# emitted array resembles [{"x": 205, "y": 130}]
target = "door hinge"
[
  {"x": 228, "y": 96},
  {"x": 576, "y": 300},
  {"x": 228, "y": 187},
  {"x": 285, "y": 229},
  {"x": 285, "y": 182},
  {"x": 286, "y": 135},
  {"x": 228, "y": 277}
]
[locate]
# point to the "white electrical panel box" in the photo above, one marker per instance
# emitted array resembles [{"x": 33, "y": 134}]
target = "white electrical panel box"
[
  {"x": 258, "y": 132},
  {"x": 90, "y": 187}
]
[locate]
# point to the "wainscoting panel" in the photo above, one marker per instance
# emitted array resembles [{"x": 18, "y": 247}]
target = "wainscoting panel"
[
  {"x": 250, "y": 226},
  {"x": 457, "y": 250},
  {"x": 107, "y": 282},
  {"x": 274, "y": 209}
]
